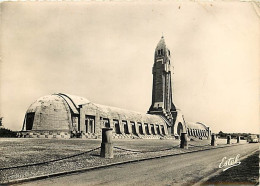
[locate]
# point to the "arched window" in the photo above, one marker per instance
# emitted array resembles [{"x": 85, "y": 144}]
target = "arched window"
[
  {"x": 116, "y": 126},
  {"x": 157, "y": 129},
  {"x": 188, "y": 131},
  {"x": 146, "y": 129},
  {"x": 140, "y": 127},
  {"x": 106, "y": 122},
  {"x": 152, "y": 129},
  {"x": 125, "y": 127},
  {"x": 133, "y": 128},
  {"x": 163, "y": 131}
]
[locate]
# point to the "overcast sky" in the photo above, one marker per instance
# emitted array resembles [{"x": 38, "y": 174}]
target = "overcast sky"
[{"x": 104, "y": 52}]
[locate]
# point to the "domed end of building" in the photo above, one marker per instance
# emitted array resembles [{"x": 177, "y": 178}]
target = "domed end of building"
[
  {"x": 198, "y": 130},
  {"x": 52, "y": 115}
]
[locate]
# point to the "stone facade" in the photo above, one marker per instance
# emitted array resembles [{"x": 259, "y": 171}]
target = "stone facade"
[
  {"x": 61, "y": 116},
  {"x": 64, "y": 116}
]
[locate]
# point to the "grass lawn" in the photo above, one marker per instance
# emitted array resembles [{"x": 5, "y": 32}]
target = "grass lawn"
[
  {"x": 23, "y": 151},
  {"x": 20, "y": 151}
]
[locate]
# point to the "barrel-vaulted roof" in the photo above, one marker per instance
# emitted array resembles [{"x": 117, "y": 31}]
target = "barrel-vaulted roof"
[
  {"x": 43, "y": 101},
  {"x": 74, "y": 102},
  {"x": 197, "y": 125},
  {"x": 114, "y": 112}
]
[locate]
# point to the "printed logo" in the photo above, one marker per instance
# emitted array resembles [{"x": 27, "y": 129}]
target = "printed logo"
[{"x": 228, "y": 163}]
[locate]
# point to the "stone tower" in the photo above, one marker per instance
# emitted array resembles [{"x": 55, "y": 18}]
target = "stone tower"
[{"x": 162, "y": 103}]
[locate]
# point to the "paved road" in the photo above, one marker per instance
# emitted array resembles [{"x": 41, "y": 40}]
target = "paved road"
[{"x": 186, "y": 168}]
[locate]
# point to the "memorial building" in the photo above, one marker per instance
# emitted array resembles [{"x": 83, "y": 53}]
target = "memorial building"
[{"x": 66, "y": 116}]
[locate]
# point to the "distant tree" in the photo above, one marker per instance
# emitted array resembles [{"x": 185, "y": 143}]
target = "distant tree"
[
  {"x": 6, "y": 133},
  {"x": 1, "y": 119},
  {"x": 222, "y": 134}
]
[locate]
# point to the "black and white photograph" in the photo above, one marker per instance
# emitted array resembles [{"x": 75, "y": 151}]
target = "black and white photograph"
[{"x": 129, "y": 92}]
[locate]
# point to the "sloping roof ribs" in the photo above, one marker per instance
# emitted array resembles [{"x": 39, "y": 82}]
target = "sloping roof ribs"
[
  {"x": 166, "y": 121},
  {"x": 70, "y": 102}
]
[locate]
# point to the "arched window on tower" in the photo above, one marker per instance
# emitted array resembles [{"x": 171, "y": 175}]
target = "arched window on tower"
[
  {"x": 161, "y": 51},
  {"x": 169, "y": 52}
]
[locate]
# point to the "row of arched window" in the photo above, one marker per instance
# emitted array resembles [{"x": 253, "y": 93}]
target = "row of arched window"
[
  {"x": 127, "y": 127},
  {"x": 197, "y": 132},
  {"x": 136, "y": 128}
]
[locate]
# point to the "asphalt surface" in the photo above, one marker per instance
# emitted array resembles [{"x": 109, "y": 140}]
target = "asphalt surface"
[{"x": 187, "y": 168}]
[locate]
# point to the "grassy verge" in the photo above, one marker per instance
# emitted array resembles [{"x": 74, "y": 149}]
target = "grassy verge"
[{"x": 247, "y": 173}]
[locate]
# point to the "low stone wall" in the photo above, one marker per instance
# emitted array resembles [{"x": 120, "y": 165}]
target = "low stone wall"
[
  {"x": 47, "y": 134},
  {"x": 132, "y": 136},
  {"x": 67, "y": 135},
  {"x": 90, "y": 136}
]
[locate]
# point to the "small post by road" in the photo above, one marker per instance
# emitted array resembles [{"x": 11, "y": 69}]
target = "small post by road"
[
  {"x": 184, "y": 141},
  {"x": 107, "y": 145},
  {"x": 238, "y": 139},
  {"x": 208, "y": 133},
  {"x": 228, "y": 139},
  {"x": 213, "y": 140}
]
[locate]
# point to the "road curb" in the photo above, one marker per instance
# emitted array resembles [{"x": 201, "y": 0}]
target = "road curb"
[{"x": 106, "y": 166}]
